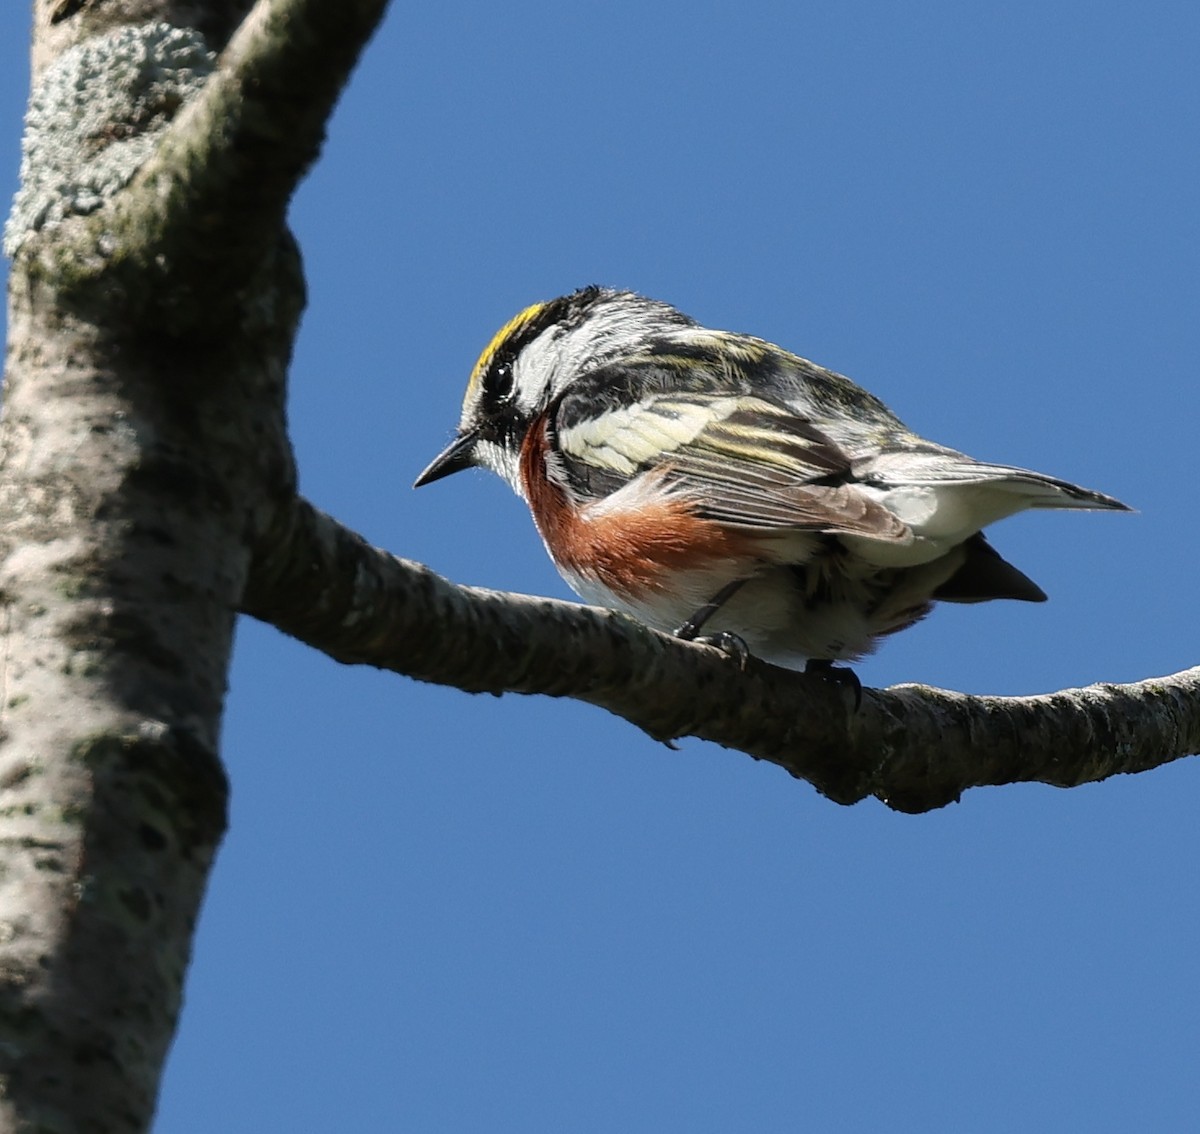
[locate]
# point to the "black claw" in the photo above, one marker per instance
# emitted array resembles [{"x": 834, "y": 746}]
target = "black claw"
[
  {"x": 836, "y": 675},
  {"x": 688, "y": 631},
  {"x": 727, "y": 643}
]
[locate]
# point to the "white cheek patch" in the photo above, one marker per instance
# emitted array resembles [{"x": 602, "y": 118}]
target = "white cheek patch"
[
  {"x": 503, "y": 463},
  {"x": 623, "y": 439}
]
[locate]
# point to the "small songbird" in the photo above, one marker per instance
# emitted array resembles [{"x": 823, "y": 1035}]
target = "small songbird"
[{"x": 701, "y": 479}]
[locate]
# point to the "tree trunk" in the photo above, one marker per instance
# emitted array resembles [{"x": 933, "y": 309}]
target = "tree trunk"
[{"x": 152, "y": 305}]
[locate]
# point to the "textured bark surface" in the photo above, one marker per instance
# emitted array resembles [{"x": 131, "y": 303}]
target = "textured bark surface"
[
  {"x": 60, "y": 24},
  {"x": 142, "y": 451},
  {"x": 913, "y": 747},
  {"x": 115, "y": 645}
]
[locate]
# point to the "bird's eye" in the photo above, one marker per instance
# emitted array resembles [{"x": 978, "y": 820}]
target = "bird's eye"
[{"x": 502, "y": 382}]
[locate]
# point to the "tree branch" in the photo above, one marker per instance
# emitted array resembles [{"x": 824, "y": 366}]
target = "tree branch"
[
  {"x": 913, "y": 747},
  {"x": 237, "y": 151},
  {"x": 199, "y": 157}
]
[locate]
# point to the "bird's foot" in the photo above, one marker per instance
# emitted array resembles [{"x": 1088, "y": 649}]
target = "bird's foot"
[
  {"x": 722, "y": 640},
  {"x": 836, "y": 675},
  {"x": 729, "y": 644}
]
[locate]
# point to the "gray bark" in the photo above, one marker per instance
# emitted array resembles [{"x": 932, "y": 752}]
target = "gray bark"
[
  {"x": 913, "y": 747},
  {"x": 152, "y": 304}
]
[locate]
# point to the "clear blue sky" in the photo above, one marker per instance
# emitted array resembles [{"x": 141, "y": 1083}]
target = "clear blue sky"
[{"x": 445, "y": 913}]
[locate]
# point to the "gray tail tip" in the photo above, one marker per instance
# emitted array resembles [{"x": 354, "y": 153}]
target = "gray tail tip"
[{"x": 1086, "y": 498}]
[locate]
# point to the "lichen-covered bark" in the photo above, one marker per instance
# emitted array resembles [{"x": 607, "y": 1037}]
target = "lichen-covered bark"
[{"x": 60, "y": 24}]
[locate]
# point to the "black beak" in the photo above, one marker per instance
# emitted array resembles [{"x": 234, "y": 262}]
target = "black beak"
[{"x": 458, "y": 455}]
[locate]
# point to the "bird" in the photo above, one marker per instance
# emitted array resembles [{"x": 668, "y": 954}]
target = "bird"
[{"x": 706, "y": 480}]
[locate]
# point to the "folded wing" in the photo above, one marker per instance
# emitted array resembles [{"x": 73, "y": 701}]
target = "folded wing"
[{"x": 739, "y": 460}]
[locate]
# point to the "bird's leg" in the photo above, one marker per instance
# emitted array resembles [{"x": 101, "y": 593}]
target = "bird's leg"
[
  {"x": 723, "y": 640},
  {"x": 693, "y": 625},
  {"x": 836, "y": 675}
]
